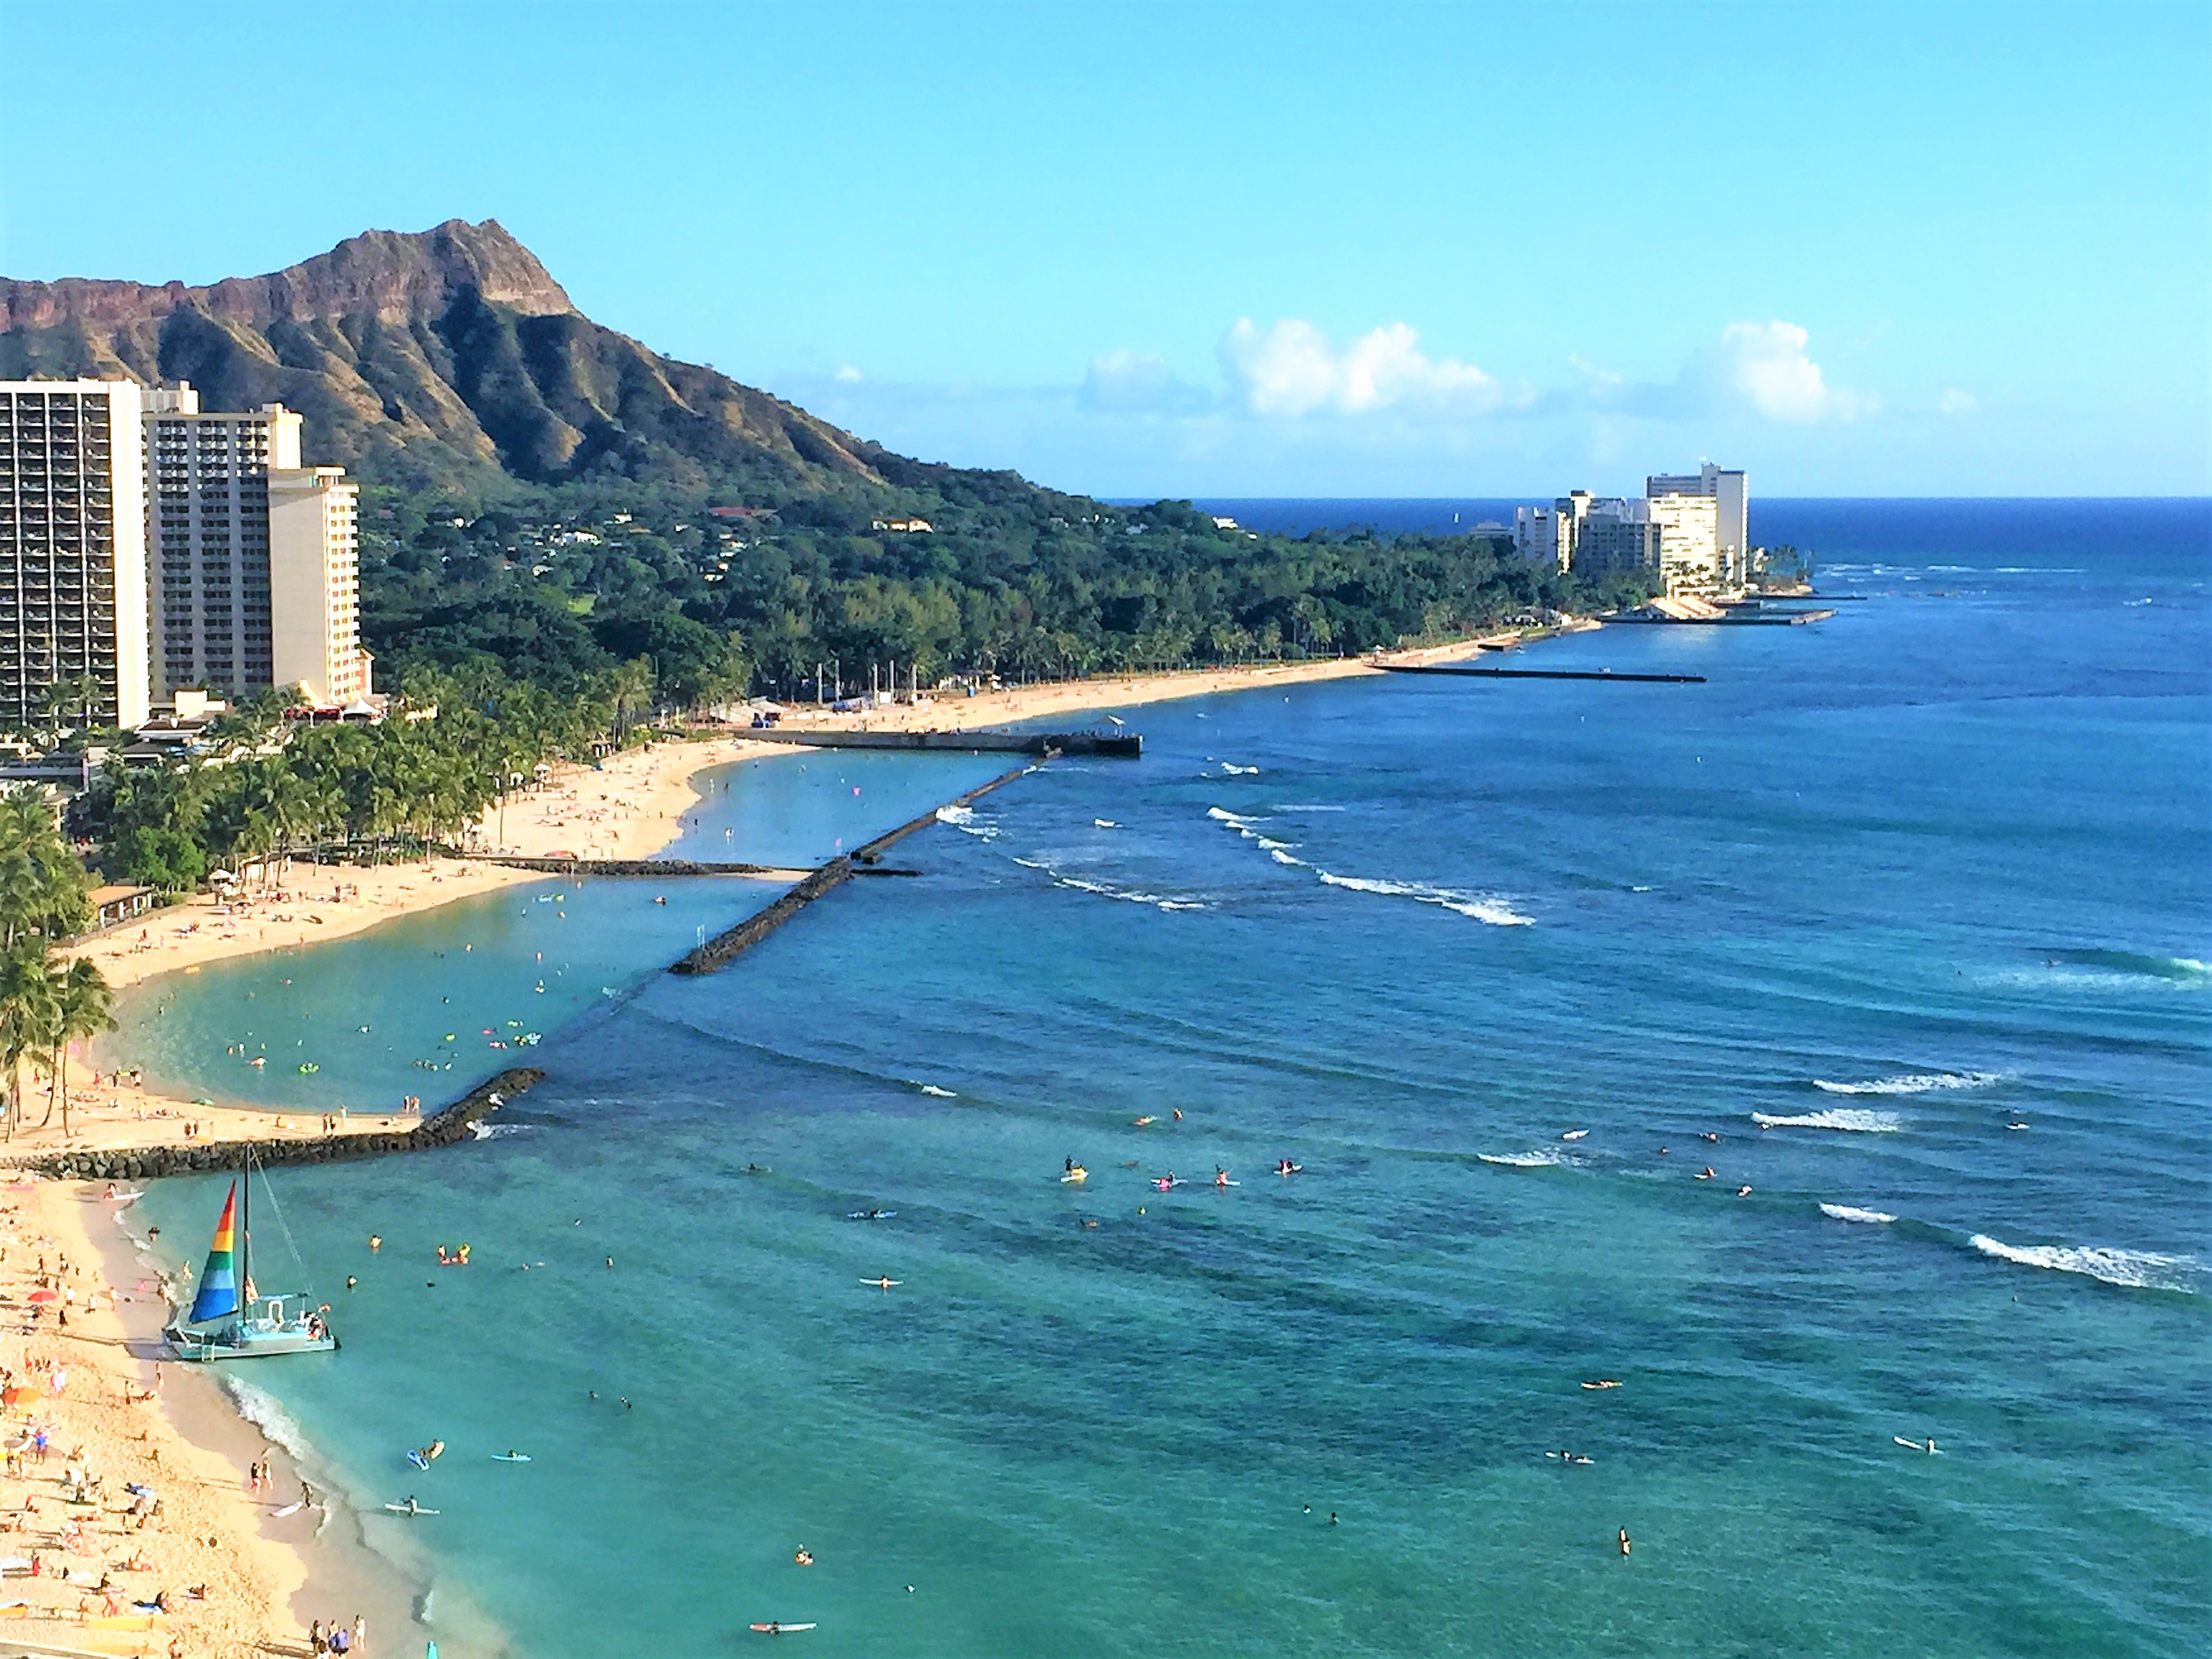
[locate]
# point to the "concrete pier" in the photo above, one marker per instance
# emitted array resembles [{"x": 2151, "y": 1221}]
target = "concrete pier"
[
  {"x": 718, "y": 952},
  {"x": 1124, "y": 745},
  {"x": 1542, "y": 674},
  {"x": 655, "y": 867},
  {"x": 199, "y": 1157}
]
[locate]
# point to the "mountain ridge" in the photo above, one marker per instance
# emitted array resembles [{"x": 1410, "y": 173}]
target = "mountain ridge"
[{"x": 448, "y": 358}]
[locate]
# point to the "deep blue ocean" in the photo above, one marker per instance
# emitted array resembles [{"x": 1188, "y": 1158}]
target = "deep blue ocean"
[{"x": 1900, "y": 921}]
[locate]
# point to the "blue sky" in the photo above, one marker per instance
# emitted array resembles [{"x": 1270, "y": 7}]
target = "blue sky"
[{"x": 1468, "y": 250}]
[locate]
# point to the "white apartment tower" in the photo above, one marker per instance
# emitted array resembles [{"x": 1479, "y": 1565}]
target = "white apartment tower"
[
  {"x": 241, "y": 602},
  {"x": 72, "y": 552},
  {"x": 1689, "y": 541},
  {"x": 314, "y": 584},
  {"x": 1731, "y": 494}
]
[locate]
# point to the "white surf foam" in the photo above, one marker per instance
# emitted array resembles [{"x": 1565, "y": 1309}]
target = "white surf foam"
[
  {"x": 1871, "y": 1123},
  {"x": 1848, "y": 1212},
  {"x": 1105, "y": 824},
  {"x": 262, "y": 1411},
  {"x": 963, "y": 818},
  {"x": 1231, "y": 769},
  {"x": 931, "y": 1089},
  {"x": 1106, "y": 890},
  {"x": 1243, "y": 826},
  {"x": 1912, "y": 1083},
  {"x": 493, "y": 1130},
  {"x": 1481, "y": 907},
  {"x": 2136, "y": 1270},
  {"x": 1542, "y": 1157}
]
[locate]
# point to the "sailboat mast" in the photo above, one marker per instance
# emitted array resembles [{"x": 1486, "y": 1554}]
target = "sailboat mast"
[{"x": 245, "y": 1229}]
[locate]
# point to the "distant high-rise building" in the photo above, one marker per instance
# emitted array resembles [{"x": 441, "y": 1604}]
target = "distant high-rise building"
[
  {"x": 314, "y": 584},
  {"x": 1617, "y": 535},
  {"x": 1731, "y": 494},
  {"x": 239, "y": 603},
  {"x": 1547, "y": 535},
  {"x": 1689, "y": 541},
  {"x": 72, "y": 553}
]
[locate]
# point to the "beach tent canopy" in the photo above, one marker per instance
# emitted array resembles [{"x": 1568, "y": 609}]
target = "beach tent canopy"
[{"x": 45, "y": 1296}]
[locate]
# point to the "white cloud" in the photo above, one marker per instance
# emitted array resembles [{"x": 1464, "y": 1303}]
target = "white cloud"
[
  {"x": 1292, "y": 368},
  {"x": 1956, "y": 402},
  {"x": 849, "y": 374},
  {"x": 1127, "y": 382},
  {"x": 1765, "y": 364}
]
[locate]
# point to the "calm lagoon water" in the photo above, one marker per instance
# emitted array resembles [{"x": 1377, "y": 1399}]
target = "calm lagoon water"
[{"x": 1886, "y": 886}]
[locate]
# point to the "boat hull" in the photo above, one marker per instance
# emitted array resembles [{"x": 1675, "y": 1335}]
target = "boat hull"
[{"x": 200, "y": 1347}]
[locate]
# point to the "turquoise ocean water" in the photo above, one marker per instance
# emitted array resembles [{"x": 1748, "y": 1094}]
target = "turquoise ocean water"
[{"x": 1877, "y": 891}]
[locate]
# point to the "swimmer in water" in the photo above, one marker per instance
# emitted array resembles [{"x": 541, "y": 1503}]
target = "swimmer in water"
[
  {"x": 1744, "y": 1191},
  {"x": 804, "y": 1557},
  {"x": 1705, "y": 1174},
  {"x": 376, "y": 1241},
  {"x": 1624, "y": 1540},
  {"x": 1220, "y": 1175},
  {"x": 1707, "y": 1134}
]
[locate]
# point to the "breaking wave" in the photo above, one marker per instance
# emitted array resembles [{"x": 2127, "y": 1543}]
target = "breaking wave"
[
  {"x": 2177, "y": 970},
  {"x": 2143, "y": 1270},
  {"x": 1847, "y": 1213},
  {"x": 963, "y": 818},
  {"x": 1481, "y": 907},
  {"x": 1871, "y": 1123},
  {"x": 1243, "y": 826},
  {"x": 1230, "y": 768},
  {"x": 1106, "y": 890},
  {"x": 262, "y": 1411},
  {"x": 493, "y": 1130},
  {"x": 931, "y": 1089},
  {"x": 1911, "y": 1083},
  {"x": 1541, "y": 1158}
]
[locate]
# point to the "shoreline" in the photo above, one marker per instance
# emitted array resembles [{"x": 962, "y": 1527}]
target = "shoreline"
[{"x": 283, "y": 1572}]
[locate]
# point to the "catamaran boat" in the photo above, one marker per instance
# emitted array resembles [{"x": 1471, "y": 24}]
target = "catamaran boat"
[{"x": 228, "y": 1320}]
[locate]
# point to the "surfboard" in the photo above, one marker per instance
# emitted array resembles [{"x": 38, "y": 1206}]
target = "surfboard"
[
  {"x": 1075, "y": 1175},
  {"x": 402, "y": 1508},
  {"x": 1914, "y": 1445},
  {"x": 884, "y": 1283},
  {"x": 418, "y": 1460},
  {"x": 870, "y": 1215},
  {"x": 510, "y": 1457},
  {"x": 1574, "y": 1134},
  {"x": 780, "y": 1630},
  {"x": 1229, "y": 1183},
  {"x": 293, "y": 1508}
]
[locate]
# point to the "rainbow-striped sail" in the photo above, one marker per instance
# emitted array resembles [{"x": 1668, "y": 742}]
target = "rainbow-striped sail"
[{"x": 218, "y": 1291}]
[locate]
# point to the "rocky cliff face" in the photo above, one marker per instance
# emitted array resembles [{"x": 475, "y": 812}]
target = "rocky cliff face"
[{"x": 444, "y": 357}]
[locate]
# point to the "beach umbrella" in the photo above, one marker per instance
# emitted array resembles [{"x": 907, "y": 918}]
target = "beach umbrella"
[
  {"x": 20, "y": 1395},
  {"x": 45, "y": 1296}
]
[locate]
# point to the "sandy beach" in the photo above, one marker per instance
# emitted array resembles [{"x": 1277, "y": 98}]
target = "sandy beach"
[{"x": 92, "y": 1387}]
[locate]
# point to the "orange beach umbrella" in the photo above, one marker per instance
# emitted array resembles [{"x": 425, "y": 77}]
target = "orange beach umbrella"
[{"x": 20, "y": 1395}]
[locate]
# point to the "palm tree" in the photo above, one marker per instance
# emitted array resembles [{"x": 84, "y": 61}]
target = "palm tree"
[
  {"x": 27, "y": 1016},
  {"x": 81, "y": 1003}
]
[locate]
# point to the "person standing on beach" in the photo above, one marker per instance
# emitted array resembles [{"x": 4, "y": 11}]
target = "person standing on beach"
[{"x": 360, "y": 1636}]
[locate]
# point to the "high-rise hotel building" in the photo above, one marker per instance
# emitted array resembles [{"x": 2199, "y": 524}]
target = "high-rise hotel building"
[
  {"x": 255, "y": 558},
  {"x": 72, "y": 552}
]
